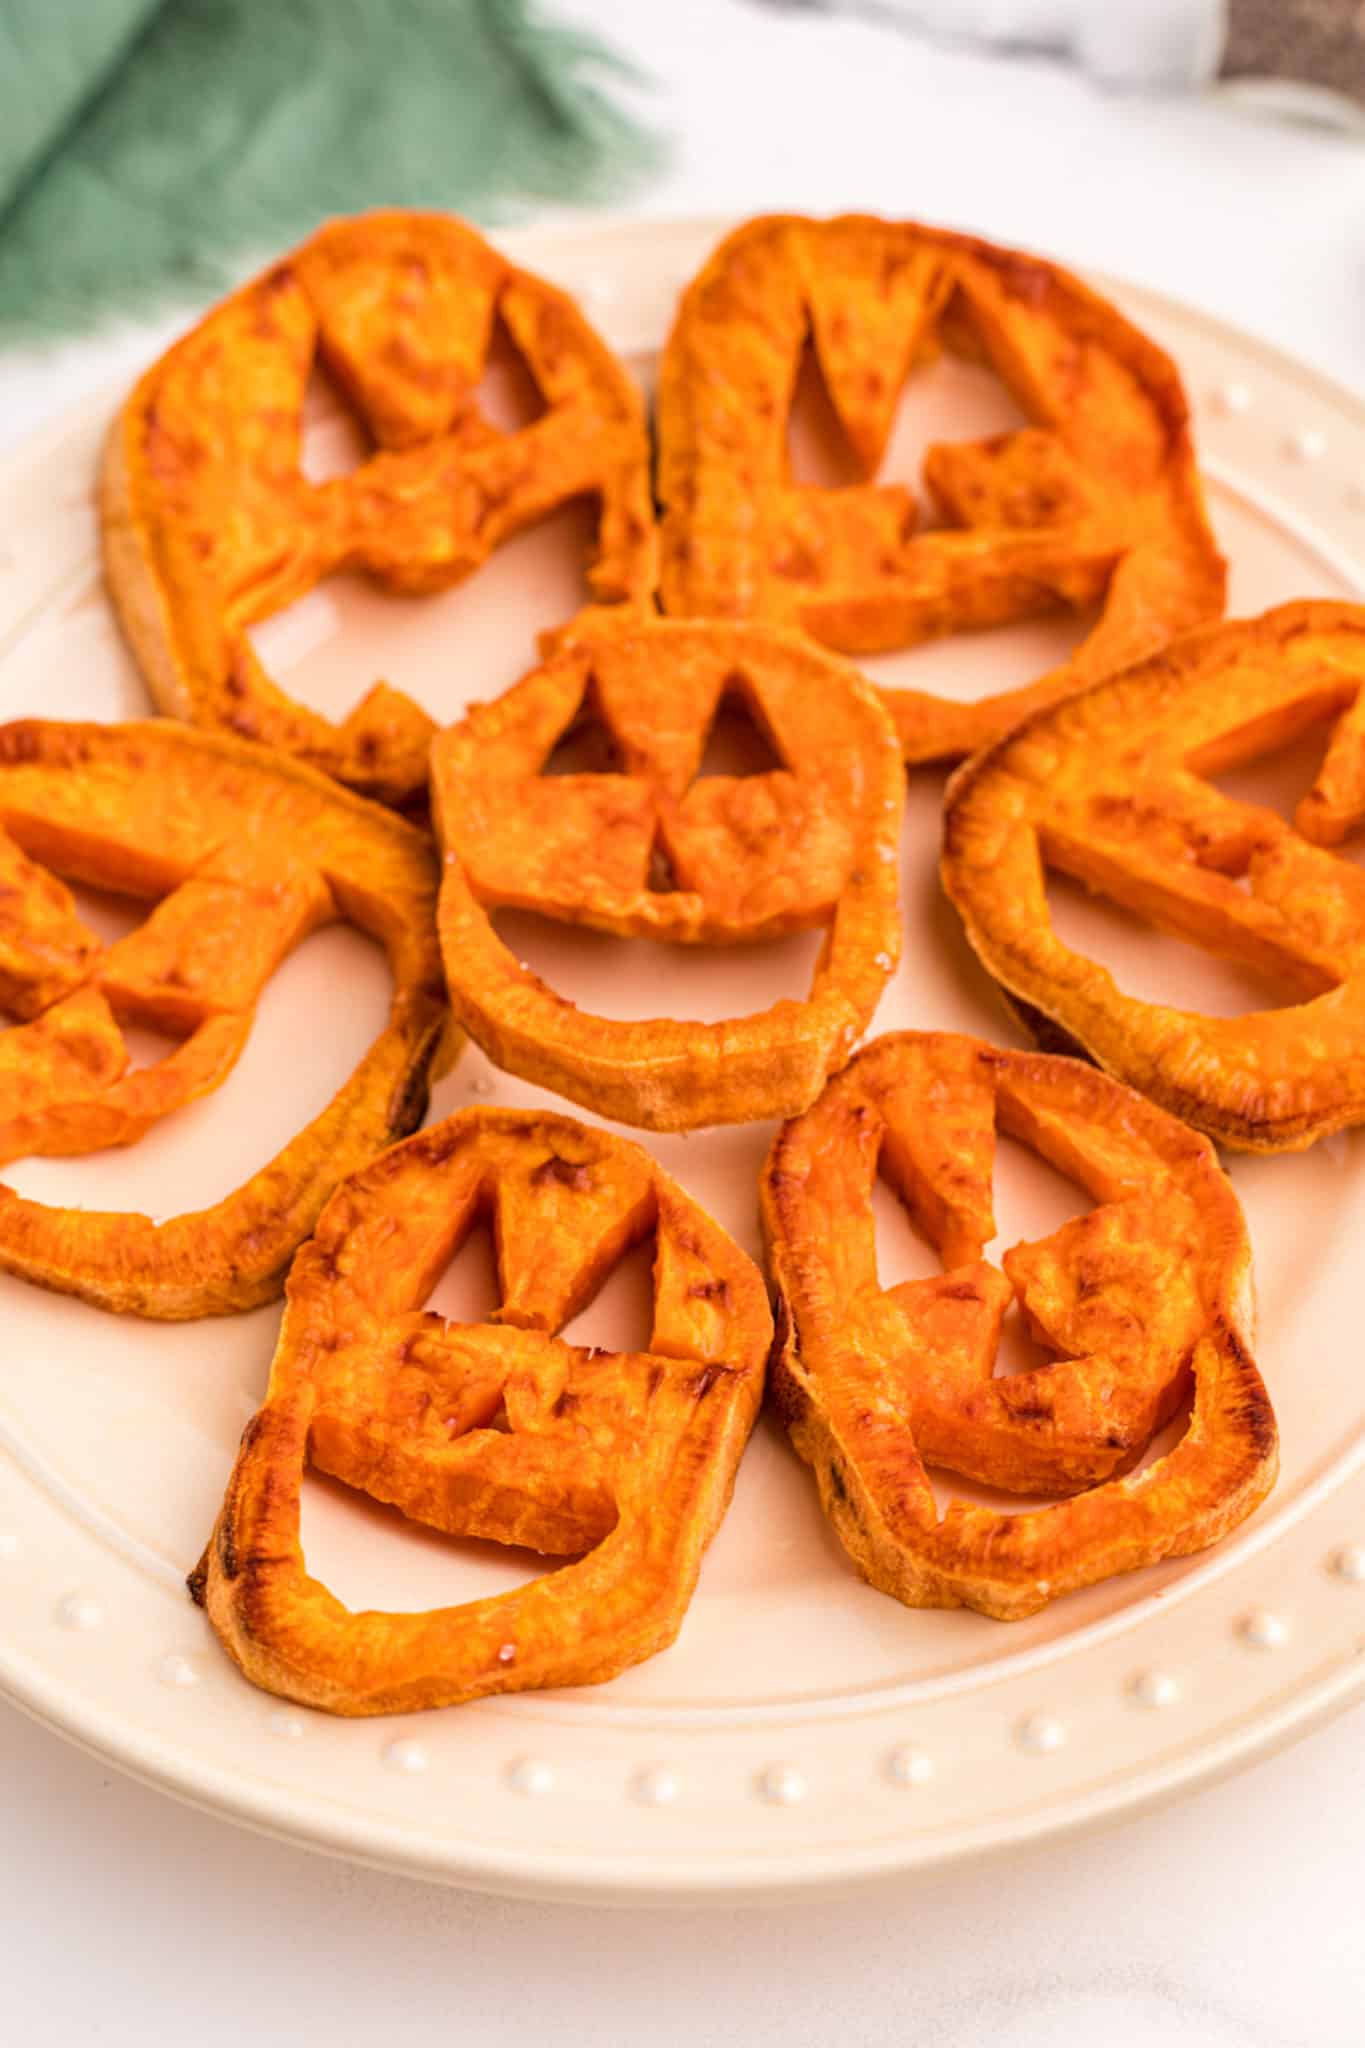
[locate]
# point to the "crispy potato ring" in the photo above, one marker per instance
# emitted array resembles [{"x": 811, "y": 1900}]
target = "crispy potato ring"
[
  {"x": 1109, "y": 789},
  {"x": 209, "y": 524},
  {"x": 243, "y": 853},
  {"x": 496, "y": 1429},
  {"x": 815, "y": 842},
  {"x": 1136, "y": 1297},
  {"x": 1098, "y": 499}
]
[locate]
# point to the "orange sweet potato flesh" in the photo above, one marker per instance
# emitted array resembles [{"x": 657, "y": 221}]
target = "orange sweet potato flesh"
[
  {"x": 498, "y": 1429},
  {"x": 1097, "y": 500},
  {"x": 1138, "y": 1298},
  {"x": 241, "y": 854},
  {"x": 1111, "y": 789},
  {"x": 209, "y": 524},
  {"x": 812, "y": 843}
]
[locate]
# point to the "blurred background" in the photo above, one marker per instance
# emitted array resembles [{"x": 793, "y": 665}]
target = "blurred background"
[{"x": 151, "y": 151}]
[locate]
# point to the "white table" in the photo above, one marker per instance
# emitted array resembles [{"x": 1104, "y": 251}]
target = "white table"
[{"x": 1232, "y": 1921}]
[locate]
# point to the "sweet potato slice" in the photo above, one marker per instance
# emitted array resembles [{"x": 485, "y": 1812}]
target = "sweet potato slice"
[
  {"x": 241, "y": 853},
  {"x": 1111, "y": 789},
  {"x": 1098, "y": 500},
  {"x": 499, "y": 1429},
  {"x": 1137, "y": 1298},
  {"x": 210, "y": 525},
  {"x": 812, "y": 843}
]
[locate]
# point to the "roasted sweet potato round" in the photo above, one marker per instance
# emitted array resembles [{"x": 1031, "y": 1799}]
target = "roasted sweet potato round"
[
  {"x": 241, "y": 854},
  {"x": 1098, "y": 500},
  {"x": 1139, "y": 1298},
  {"x": 210, "y": 525},
  {"x": 497, "y": 1429},
  {"x": 651, "y": 851},
  {"x": 1111, "y": 789}
]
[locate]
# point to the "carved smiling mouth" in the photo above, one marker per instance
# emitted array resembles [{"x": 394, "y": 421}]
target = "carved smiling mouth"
[{"x": 622, "y": 1461}]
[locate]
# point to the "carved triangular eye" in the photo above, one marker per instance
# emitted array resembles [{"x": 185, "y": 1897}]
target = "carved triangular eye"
[
  {"x": 588, "y": 747},
  {"x": 332, "y": 438},
  {"x": 620, "y": 1316},
  {"x": 468, "y": 1290},
  {"x": 739, "y": 742},
  {"x": 903, "y": 1252},
  {"x": 819, "y": 452},
  {"x": 508, "y": 395},
  {"x": 1279, "y": 774}
]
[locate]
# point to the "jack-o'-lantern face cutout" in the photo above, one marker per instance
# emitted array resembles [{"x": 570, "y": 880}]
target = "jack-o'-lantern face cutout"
[
  {"x": 210, "y": 524},
  {"x": 648, "y": 849},
  {"x": 499, "y": 1429},
  {"x": 240, "y": 855},
  {"x": 1097, "y": 500},
  {"x": 1141, "y": 1299},
  {"x": 1116, "y": 789}
]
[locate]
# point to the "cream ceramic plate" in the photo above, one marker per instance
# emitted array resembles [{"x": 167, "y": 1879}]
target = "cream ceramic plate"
[{"x": 804, "y": 1730}]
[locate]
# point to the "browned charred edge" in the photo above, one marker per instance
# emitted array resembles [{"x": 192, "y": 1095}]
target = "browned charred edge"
[
  {"x": 224, "y": 1538},
  {"x": 1257, "y": 1414},
  {"x": 786, "y": 1396},
  {"x": 412, "y": 1096},
  {"x": 1036, "y": 1410},
  {"x": 1044, "y": 1031},
  {"x": 197, "y": 1580},
  {"x": 701, "y": 1385}
]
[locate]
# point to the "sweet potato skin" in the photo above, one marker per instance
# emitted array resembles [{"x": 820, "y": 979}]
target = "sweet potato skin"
[
  {"x": 1142, "y": 1298},
  {"x": 496, "y": 1429}
]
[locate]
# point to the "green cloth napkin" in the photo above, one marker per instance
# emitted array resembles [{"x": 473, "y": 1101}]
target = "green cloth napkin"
[{"x": 149, "y": 147}]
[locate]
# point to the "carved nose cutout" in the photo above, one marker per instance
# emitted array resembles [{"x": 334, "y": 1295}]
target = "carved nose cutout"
[{"x": 662, "y": 879}]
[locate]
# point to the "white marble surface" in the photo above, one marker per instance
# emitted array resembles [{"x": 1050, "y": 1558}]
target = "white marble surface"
[{"x": 1232, "y": 1921}]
